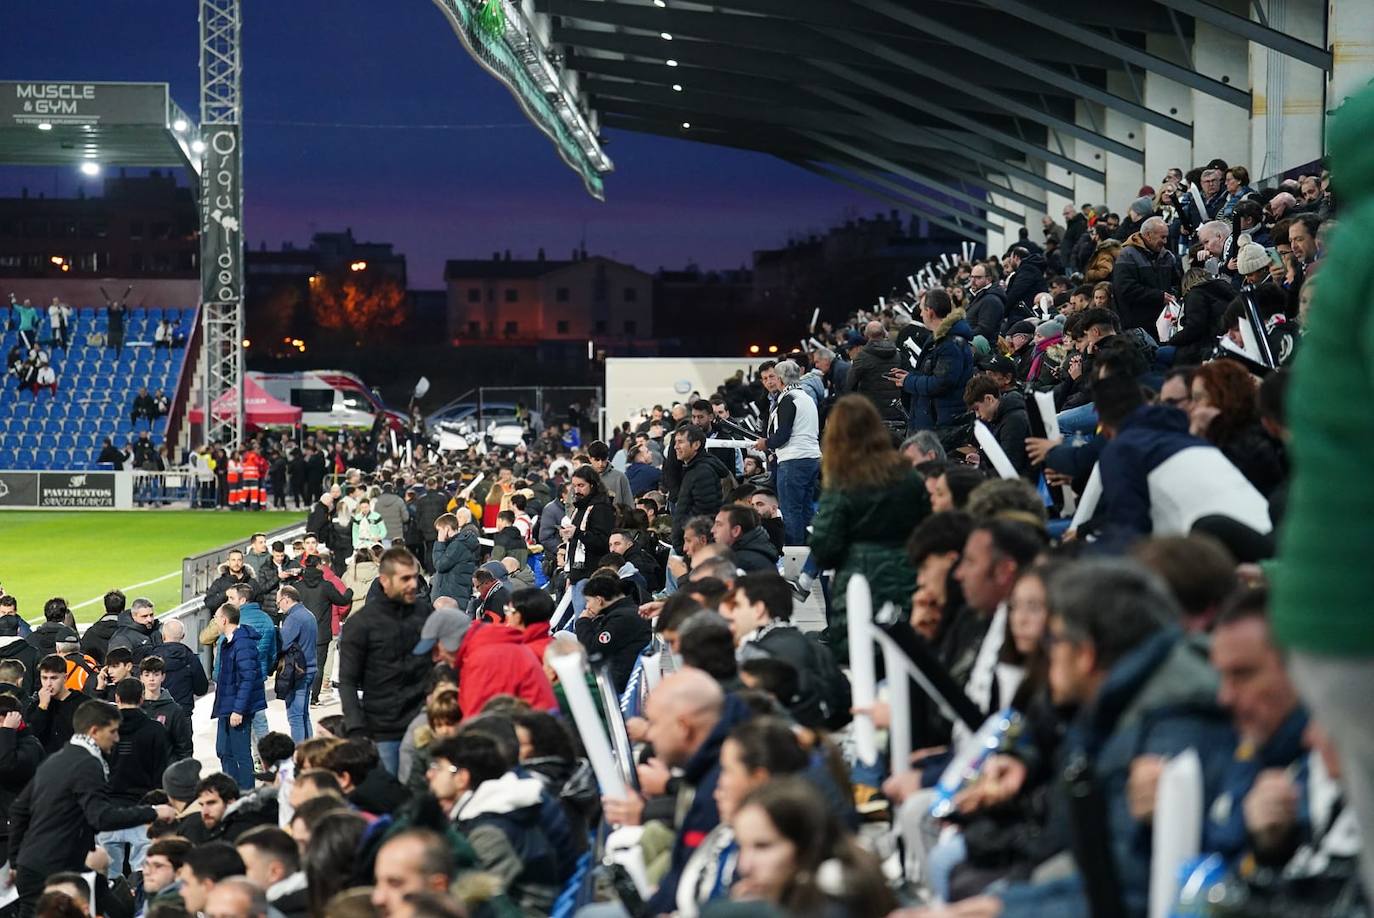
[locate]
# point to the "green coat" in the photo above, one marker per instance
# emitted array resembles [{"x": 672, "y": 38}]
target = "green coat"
[
  {"x": 865, "y": 532},
  {"x": 1321, "y": 588}
]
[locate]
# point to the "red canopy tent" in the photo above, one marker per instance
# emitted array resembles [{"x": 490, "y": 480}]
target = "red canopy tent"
[{"x": 259, "y": 408}]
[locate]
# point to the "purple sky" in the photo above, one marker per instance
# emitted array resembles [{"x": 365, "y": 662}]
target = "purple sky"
[{"x": 436, "y": 194}]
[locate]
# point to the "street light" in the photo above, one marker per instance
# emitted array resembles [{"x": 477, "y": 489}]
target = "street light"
[{"x": 358, "y": 266}]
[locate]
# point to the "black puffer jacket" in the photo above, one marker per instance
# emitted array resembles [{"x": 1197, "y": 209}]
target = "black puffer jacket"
[
  {"x": 20, "y": 756},
  {"x": 1203, "y": 308},
  {"x": 986, "y": 311},
  {"x": 186, "y": 680},
  {"x": 96, "y": 640},
  {"x": 1025, "y": 282},
  {"x": 1140, "y": 279},
  {"x": 375, "y": 656},
  {"x": 755, "y": 551},
  {"x": 215, "y": 595},
  {"x": 140, "y": 639},
  {"x": 619, "y": 634},
  {"x": 699, "y": 494},
  {"x": 868, "y": 377},
  {"x": 320, "y": 596},
  {"x": 593, "y": 521}
]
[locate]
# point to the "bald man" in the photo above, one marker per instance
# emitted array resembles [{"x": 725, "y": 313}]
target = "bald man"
[
  {"x": 414, "y": 861},
  {"x": 868, "y": 373},
  {"x": 236, "y": 897},
  {"x": 689, "y": 717}
]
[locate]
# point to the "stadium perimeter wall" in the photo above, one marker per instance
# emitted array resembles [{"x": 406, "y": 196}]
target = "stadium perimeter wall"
[{"x": 638, "y": 383}]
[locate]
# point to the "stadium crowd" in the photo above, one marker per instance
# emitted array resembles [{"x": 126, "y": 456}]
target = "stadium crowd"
[{"x": 1059, "y": 473}]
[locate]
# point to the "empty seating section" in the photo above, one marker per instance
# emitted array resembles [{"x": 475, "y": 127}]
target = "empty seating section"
[{"x": 95, "y": 390}]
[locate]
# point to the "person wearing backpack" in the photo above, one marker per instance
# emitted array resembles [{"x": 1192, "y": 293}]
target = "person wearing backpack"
[
  {"x": 760, "y": 616},
  {"x": 296, "y": 666}
]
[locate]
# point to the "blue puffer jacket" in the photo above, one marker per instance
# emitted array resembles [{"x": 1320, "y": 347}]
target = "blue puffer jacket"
[
  {"x": 240, "y": 688},
  {"x": 1159, "y": 699},
  {"x": 252, "y": 615},
  {"x": 936, "y": 386},
  {"x": 455, "y": 561}
]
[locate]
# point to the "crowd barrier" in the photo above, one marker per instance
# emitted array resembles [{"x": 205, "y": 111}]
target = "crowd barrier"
[
  {"x": 197, "y": 573},
  {"x": 195, "y": 488}
]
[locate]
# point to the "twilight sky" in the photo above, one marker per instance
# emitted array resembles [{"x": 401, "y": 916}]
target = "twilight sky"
[{"x": 436, "y": 194}]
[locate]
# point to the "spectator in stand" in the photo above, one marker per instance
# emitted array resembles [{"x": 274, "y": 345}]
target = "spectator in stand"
[
  {"x": 988, "y": 305},
  {"x": 186, "y": 680},
  {"x": 51, "y": 710},
  {"x": 1145, "y": 276},
  {"x": 870, "y": 370},
  {"x": 794, "y": 440},
  {"x": 59, "y": 323},
  {"x": 159, "y": 705},
  {"x": 18, "y": 653},
  {"x": 238, "y": 695},
  {"x": 320, "y": 596},
  {"x": 642, "y": 474},
  {"x": 253, "y": 617},
  {"x": 739, "y": 529},
  {"x": 427, "y": 509},
  {"x": 375, "y": 658},
  {"x": 1025, "y": 279},
  {"x": 144, "y": 407},
  {"x": 45, "y": 377},
  {"x": 1005, "y": 415},
  {"x": 615, "y": 482},
  {"x": 138, "y": 630},
  {"x": 1157, "y": 479},
  {"x": 700, "y": 490},
  {"x": 455, "y": 553},
  {"x": 142, "y": 754},
  {"x": 936, "y": 386},
  {"x": 54, "y": 820}
]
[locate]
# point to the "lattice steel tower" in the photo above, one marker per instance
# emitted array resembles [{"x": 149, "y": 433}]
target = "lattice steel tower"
[{"x": 221, "y": 198}]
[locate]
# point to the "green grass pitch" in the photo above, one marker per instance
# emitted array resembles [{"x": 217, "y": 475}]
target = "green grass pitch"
[{"x": 80, "y": 555}]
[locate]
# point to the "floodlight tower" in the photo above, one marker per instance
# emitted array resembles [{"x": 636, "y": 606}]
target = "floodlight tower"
[{"x": 221, "y": 209}]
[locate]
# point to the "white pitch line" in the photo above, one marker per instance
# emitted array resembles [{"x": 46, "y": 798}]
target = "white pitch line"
[{"x": 132, "y": 586}]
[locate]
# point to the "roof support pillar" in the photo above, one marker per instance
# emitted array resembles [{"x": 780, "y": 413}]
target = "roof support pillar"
[{"x": 1289, "y": 106}]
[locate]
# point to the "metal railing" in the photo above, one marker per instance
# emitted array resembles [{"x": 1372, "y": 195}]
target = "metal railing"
[
  {"x": 193, "y": 487},
  {"x": 199, "y": 571}
]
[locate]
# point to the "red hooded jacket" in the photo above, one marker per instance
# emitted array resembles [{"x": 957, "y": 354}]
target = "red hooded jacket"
[{"x": 493, "y": 660}]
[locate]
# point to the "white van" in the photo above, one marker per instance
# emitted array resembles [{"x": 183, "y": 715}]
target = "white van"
[{"x": 328, "y": 399}]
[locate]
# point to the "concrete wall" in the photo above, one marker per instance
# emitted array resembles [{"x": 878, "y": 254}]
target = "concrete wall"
[{"x": 635, "y": 384}]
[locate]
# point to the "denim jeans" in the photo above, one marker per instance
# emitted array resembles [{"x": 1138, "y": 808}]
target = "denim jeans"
[
  {"x": 121, "y": 843},
  {"x": 298, "y": 713},
  {"x": 259, "y": 728},
  {"x": 390, "y": 752},
  {"x": 796, "y": 480},
  {"x": 1080, "y": 420},
  {"x": 233, "y": 745}
]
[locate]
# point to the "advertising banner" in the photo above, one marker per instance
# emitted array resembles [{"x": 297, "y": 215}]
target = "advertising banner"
[
  {"x": 63, "y": 104},
  {"x": 77, "y": 490},
  {"x": 18, "y": 489}
]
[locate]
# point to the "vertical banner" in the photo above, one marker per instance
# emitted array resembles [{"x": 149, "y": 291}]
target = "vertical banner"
[{"x": 221, "y": 270}]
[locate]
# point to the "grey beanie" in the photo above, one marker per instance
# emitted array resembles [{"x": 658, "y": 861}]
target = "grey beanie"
[
  {"x": 1050, "y": 329},
  {"x": 1143, "y": 206},
  {"x": 180, "y": 779}
]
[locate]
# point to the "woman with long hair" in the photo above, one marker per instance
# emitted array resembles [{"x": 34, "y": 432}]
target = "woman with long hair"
[
  {"x": 1225, "y": 411},
  {"x": 755, "y": 752},
  {"x": 330, "y": 857},
  {"x": 794, "y": 854},
  {"x": 871, "y": 499}
]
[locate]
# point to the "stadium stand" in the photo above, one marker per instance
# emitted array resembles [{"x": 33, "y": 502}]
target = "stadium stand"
[{"x": 95, "y": 390}]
